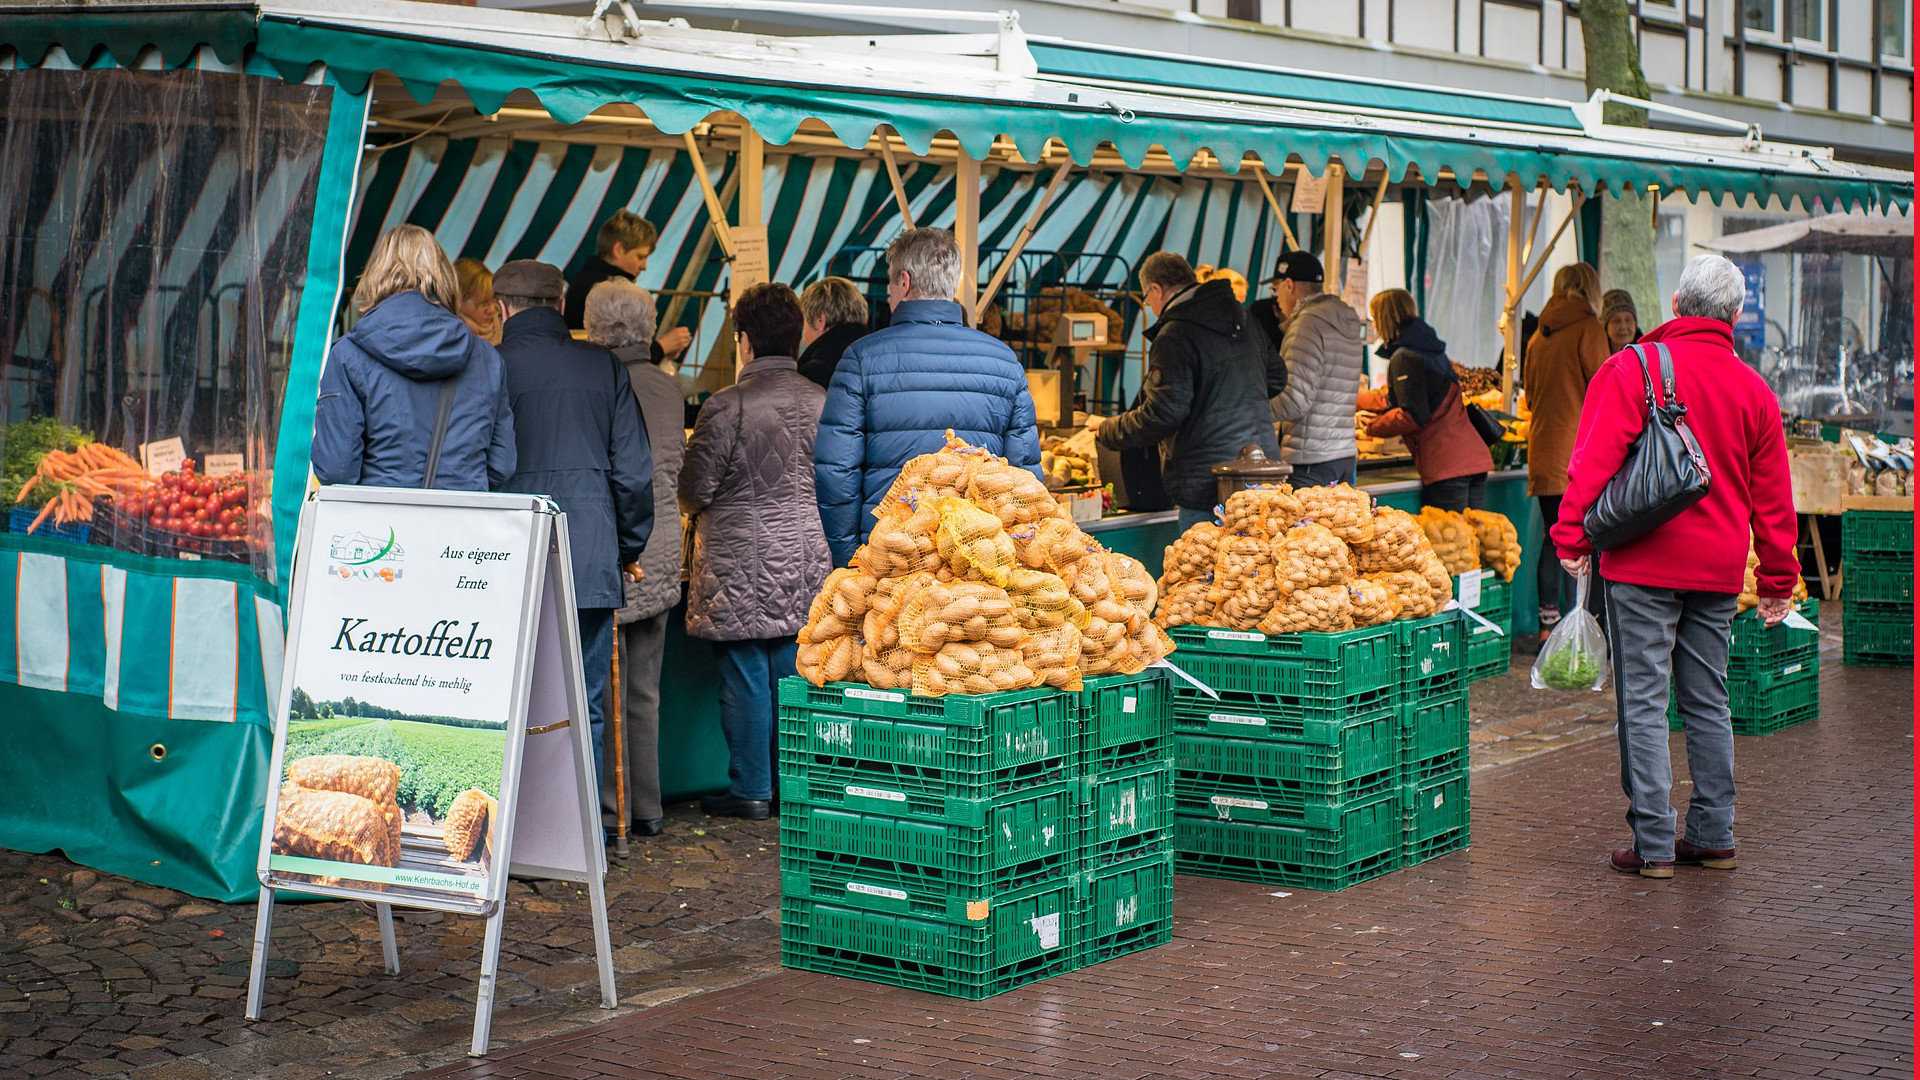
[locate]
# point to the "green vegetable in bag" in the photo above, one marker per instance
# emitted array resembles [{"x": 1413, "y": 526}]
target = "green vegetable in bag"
[{"x": 1574, "y": 656}]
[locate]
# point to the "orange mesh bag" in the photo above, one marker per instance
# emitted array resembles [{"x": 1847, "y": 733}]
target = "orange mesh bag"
[
  {"x": 1321, "y": 609},
  {"x": 372, "y": 778},
  {"x": 337, "y": 826},
  {"x": 1184, "y": 604},
  {"x": 1499, "y": 541},
  {"x": 1241, "y": 557},
  {"x": 1053, "y": 655},
  {"x": 1015, "y": 496},
  {"x": 1193, "y": 555},
  {"x": 973, "y": 543},
  {"x": 841, "y": 606},
  {"x": 1042, "y": 601},
  {"x": 1453, "y": 538},
  {"x": 833, "y": 660},
  {"x": 964, "y": 611},
  {"x": 890, "y": 668},
  {"x": 944, "y": 473},
  {"x": 1396, "y": 544},
  {"x": 1132, "y": 583},
  {"x": 1055, "y": 545},
  {"x": 881, "y": 627},
  {"x": 1410, "y": 591},
  {"x": 1265, "y": 512},
  {"x": 1372, "y": 602},
  {"x": 902, "y": 544},
  {"x": 1140, "y": 646},
  {"x": 966, "y": 668},
  {"x": 1343, "y": 508},
  {"x": 1439, "y": 579},
  {"x": 1244, "y": 609},
  {"x": 1309, "y": 556},
  {"x": 466, "y": 824}
]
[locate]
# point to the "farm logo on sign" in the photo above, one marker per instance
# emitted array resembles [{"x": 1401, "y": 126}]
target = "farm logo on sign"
[{"x": 358, "y": 555}]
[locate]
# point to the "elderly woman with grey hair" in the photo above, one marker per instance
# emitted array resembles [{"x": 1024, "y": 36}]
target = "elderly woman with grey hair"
[{"x": 620, "y": 316}]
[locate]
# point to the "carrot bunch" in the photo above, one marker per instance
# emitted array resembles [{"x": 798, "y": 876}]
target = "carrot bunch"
[{"x": 75, "y": 477}]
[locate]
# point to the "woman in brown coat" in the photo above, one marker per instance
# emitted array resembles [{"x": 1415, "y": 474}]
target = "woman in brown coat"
[
  {"x": 759, "y": 554},
  {"x": 1562, "y": 356},
  {"x": 1422, "y": 404}
]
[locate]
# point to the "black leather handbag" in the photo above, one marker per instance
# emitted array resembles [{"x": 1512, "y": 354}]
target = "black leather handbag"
[{"x": 1664, "y": 471}]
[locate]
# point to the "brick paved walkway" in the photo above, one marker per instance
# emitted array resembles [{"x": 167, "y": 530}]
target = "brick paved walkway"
[{"x": 1523, "y": 957}]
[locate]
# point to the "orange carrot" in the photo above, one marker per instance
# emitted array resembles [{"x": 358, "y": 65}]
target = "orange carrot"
[
  {"x": 26, "y": 487},
  {"x": 44, "y": 511}
]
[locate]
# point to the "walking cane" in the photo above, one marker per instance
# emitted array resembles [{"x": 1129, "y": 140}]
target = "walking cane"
[{"x": 619, "y": 750}]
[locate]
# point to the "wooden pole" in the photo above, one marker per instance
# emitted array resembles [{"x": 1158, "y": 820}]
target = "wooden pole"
[
  {"x": 1510, "y": 316},
  {"x": 1335, "y": 227},
  {"x": 617, "y": 746},
  {"x": 1526, "y": 281},
  {"x": 716, "y": 210},
  {"x": 1020, "y": 242},
  {"x": 966, "y": 227},
  {"x": 1266, "y": 189},
  {"x": 753, "y": 174},
  {"x": 893, "y": 176},
  {"x": 1533, "y": 229}
]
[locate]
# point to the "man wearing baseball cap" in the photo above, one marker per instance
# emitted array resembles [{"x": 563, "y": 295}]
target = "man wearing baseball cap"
[
  {"x": 1323, "y": 345},
  {"x": 582, "y": 443}
]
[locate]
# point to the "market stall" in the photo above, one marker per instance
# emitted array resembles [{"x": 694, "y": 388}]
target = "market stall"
[{"x": 178, "y": 196}]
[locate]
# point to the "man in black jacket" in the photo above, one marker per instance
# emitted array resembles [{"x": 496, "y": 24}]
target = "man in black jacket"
[
  {"x": 621, "y": 249},
  {"x": 582, "y": 443},
  {"x": 1212, "y": 371}
]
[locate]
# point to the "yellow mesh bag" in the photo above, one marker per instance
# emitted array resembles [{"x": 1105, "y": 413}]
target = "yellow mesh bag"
[
  {"x": 1396, "y": 544},
  {"x": 1015, "y": 496},
  {"x": 467, "y": 824},
  {"x": 1439, "y": 579},
  {"x": 1193, "y": 555},
  {"x": 890, "y": 668},
  {"x": 841, "y": 606},
  {"x": 902, "y": 544},
  {"x": 881, "y": 627},
  {"x": 1244, "y": 609},
  {"x": 1309, "y": 556},
  {"x": 1410, "y": 591},
  {"x": 942, "y": 474},
  {"x": 1750, "y": 584},
  {"x": 1321, "y": 609},
  {"x": 1453, "y": 539},
  {"x": 1055, "y": 545},
  {"x": 964, "y": 611},
  {"x": 1053, "y": 655},
  {"x": 1499, "y": 542},
  {"x": 965, "y": 668},
  {"x": 833, "y": 660},
  {"x": 1265, "y": 512},
  {"x": 1042, "y": 601},
  {"x": 1141, "y": 645},
  {"x": 1132, "y": 583},
  {"x": 973, "y": 543},
  {"x": 1184, "y": 604},
  {"x": 1241, "y": 557},
  {"x": 1342, "y": 508},
  {"x": 1373, "y": 604}
]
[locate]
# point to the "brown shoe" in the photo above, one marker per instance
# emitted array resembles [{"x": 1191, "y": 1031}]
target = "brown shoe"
[
  {"x": 1628, "y": 861},
  {"x": 1686, "y": 854}
]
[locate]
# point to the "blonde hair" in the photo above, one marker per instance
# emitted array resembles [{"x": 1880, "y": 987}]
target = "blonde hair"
[
  {"x": 407, "y": 258},
  {"x": 1581, "y": 280},
  {"x": 627, "y": 229},
  {"x": 1392, "y": 310},
  {"x": 476, "y": 281},
  {"x": 835, "y": 299}
]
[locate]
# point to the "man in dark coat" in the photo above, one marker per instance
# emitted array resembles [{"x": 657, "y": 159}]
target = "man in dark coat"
[
  {"x": 621, "y": 250},
  {"x": 897, "y": 392},
  {"x": 582, "y": 443},
  {"x": 1212, "y": 371}
]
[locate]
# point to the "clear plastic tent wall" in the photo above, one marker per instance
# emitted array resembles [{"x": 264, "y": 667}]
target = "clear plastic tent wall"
[{"x": 154, "y": 229}]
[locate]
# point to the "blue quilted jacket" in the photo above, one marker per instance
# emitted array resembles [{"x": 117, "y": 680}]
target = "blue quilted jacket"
[{"x": 893, "y": 397}]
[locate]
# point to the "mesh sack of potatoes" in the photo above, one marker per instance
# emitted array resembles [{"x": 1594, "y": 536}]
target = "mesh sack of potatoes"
[
  {"x": 1342, "y": 508},
  {"x": 963, "y": 611},
  {"x": 973, "y": 668},
  {"x": 1132, "y": 583},
  {"x": 1240, "y": 559},
  {"x": 1140, "y": 647},
  {"x": 1244, "y": 609},
  {"x": 466, "y": 824},
  {"x": 1320, "y": 609},
  {"x": 372, "y": 778},
  {"x": 973, "y": 543},
  {"x": 1397, "y": 542},
  {"x": 1015, "y": 496},
  {"x": 841, "y": 606},
  {"x": 1101, "y": 637},
  {"x": 1053, "y": 655},
  {"x": 1750, "y": 585},
  {"x": 941, "y": 474},
  {"x": 1499, "y": 542},
  {"x": 834, "y": 660},
  {"x": 1042, "y": 601},
  {"x": 902, "y": 543},
  {"x": 890, "y": 668},
  {"x": 1184, "y": 604},
  {"x": 1309, "y": 556},
  {"x": 1453, "y": 538},
  {"x": 881, "y": 627},
  {"x": 1192, "y": 556},
  {"x": 1261, "y": 511},
  {"x": 1439, "y": 578},
  {"x": 1372, "y": 602},
  {"x": 337, "y": 826},
  {"x": 1055, "y": 545},
  {"x": 1410, "y": 592}
]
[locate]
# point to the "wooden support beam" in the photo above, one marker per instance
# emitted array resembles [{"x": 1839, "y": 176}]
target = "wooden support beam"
[
  {"x": 893, "y": 177},
  {"x": 753, "y": 173},
  {"x": 716, "y": 210},
  {"x": 1510, "y": 313},
  {"x": 1020, "y": 242},
  {"x": 1533, "y": 230},
  {"x": 966, "y": 228},
  {"x": 1526, "y": 280},
  {"x": 1334, "y": 228},
  {"x": 1266, "y": 189}
]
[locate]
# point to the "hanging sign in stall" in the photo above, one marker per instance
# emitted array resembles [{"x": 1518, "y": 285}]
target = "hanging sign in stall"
[
  {"x": 431, "y": 732},
  {"x": 1309, "y": 192}
]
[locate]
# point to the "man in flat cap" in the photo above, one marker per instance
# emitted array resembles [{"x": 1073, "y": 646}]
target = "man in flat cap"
[{"x": 581, "y": 442}]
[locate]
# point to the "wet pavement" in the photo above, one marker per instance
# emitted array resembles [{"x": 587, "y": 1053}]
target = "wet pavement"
[{"x": 1521, "y": 957}]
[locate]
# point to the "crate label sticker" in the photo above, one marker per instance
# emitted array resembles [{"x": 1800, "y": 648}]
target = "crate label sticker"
[
  {"x": 834, "y": 734},
  {"x": 873, "y": 695},
  {"x": 1046, "y": 835},
  {"x": 1234, "y": 635},
  {"x": 1125, "y": 814},
  {"x": 1226, "y": 804},
  {"x": 977, "y": 910},
  {"x": 858, "y": 792},
  {"x": 1128, "y": 705},
  {"x": 1229, "y": 718},
  {"x": 1126, "y": 911},
  {"x": 1426, "y": 665},
  {"x": 1439, "y": 799},
  {"x": 1470, "y": 590},
  {"x": 1047, "y": 928},
  {"x": 1791, "y": 668},
  {"x": 876, "y": 890}
]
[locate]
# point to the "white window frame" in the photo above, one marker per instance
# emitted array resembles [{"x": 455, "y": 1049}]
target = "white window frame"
[
  {"x": 1780, "y": 33},
  {"x": 1905, "y": 59}
]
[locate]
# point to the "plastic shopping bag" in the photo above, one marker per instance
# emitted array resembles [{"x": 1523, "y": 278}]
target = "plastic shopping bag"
[{"x": 1575, "y": 654}]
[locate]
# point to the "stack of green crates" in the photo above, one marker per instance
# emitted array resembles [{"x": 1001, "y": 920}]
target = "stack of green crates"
[
  {"x": 1876, "y": 556},
  {"x": 1489, "y": 654},
  {"x": 1292, "y": 775},
  {"x": 1773, "y": 675},
  {"x": 967, "y": 845},
  {"x": 1436, "y": 811}
]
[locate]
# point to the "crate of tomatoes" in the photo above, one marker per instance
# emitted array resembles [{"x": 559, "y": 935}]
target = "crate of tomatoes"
[{"x": 186, "y": 515}]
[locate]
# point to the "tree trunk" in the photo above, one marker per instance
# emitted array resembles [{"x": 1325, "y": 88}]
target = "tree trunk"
[{"x": 1626, "y": 219}]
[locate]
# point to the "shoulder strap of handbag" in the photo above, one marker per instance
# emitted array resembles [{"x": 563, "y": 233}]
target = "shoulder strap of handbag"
[
  {"x": 1646, "y": 372},
  {"x": 441, "y": 413},
  {"x": 1666, "y": 373}
]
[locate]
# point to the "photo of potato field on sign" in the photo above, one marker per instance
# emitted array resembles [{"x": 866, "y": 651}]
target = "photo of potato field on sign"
[{"x": 368, "y": 786}]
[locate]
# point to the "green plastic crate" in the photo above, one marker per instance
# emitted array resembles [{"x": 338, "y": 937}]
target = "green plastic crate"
[
  {"x": 1875, "y": 585},
  {"x": 1757, "y": 710},
  {"x": 1434, "y": 686},
  {"x": 1877, "y": 634},
  {"x": 1285, "y": 783},
  {"x": 1020, "y": 939},
  {"x": 1435, "y": 807},
  {"x": 1126, "y": 907},
  {"x": 1419, "y": 772},
  {"x": 1128, "y": 812},
  {"x": 1496, "y": 594},
  {"x": 1882, "y": 531},
  {"x": 954, "y": 710},
  {"x": 1444, "y": 844},
  {"x": 1754, "y": 641},
  {"x": 1367, "y": 844},
  {"x": 1431, "y": 649},
  {"x": 1125, "y": 719},
  {"x": 1434, "y": 727},
  {"x": 927, "y": 868},
  {"x": 1489, "y": 654},
  {"x": 1258, "y": 716},
  {"x": 1338, "y": 666}
]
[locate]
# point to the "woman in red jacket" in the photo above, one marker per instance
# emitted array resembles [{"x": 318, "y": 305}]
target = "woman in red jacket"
[{"x": 1671, "y": 594}]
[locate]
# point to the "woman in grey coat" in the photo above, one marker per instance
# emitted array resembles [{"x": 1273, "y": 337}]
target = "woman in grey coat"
[
  {"x": 759, "y": 554},
  {"x": 620, "y": 315}
]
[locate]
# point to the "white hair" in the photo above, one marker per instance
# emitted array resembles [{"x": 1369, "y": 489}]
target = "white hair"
[
  {"x": 932, "y": 257},
  {"x": 1711, "y": 287},
  {"x": 619, "y": 313}
]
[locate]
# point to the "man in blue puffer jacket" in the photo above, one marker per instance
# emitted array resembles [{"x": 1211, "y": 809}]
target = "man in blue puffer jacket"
[{"x": 897, "y": 391}]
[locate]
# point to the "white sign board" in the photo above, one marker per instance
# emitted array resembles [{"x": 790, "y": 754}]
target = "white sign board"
[{"x": 1309, "y": 193}]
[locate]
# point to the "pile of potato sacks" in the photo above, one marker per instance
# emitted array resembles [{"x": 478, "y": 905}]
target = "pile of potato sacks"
[
  {"x": 1472, "y": 540},
  {"x": 975, "y": 581},
  {"x": 1322, "y": 559}
]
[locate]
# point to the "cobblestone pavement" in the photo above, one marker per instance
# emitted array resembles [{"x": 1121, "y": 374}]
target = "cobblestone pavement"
[{"x": 1498, "y": 955}]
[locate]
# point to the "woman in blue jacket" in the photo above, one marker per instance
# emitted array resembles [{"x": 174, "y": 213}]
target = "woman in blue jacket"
[{"x": 410, "y": 397}]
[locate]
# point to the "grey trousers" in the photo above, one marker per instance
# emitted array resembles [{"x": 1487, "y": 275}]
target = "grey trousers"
[
  {"x": 642, "y": 646},
  {"x": 1665, "y": 639}
]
